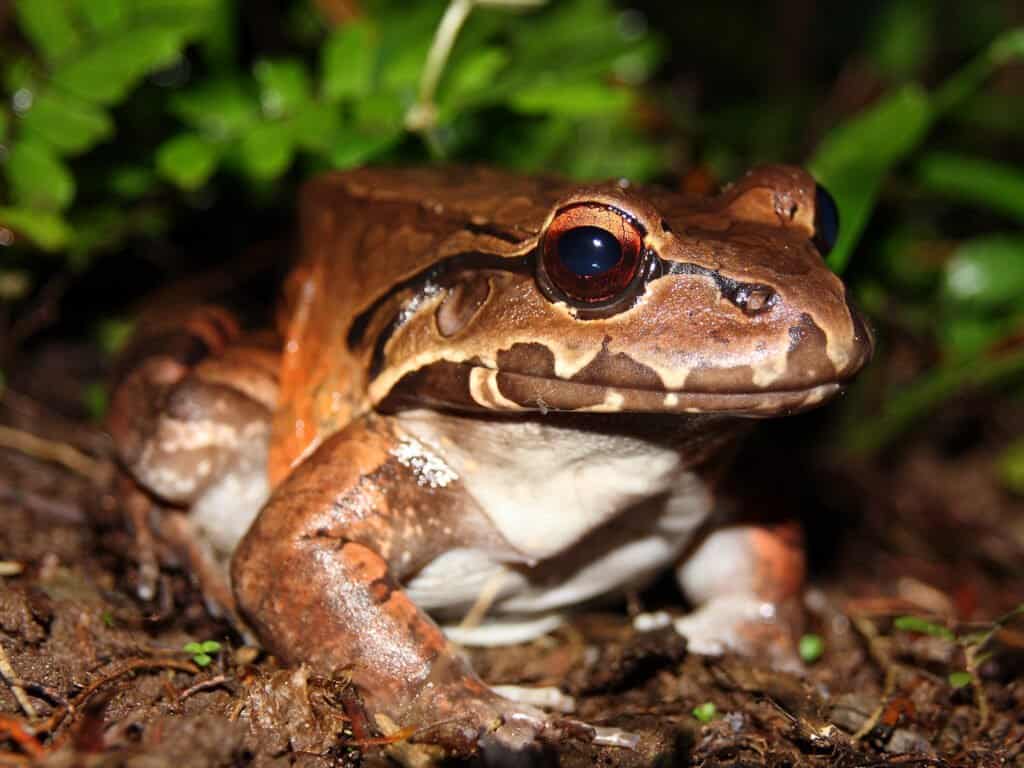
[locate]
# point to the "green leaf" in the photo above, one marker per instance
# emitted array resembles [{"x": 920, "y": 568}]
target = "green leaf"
[
  {"x": 112, "y": 66},
  {"x": 113, "y": 335},
  {"x": 48, "y": 25},
  {"x": 470, "y": 78},
  {"x": 379, "y": 113},
  {"x": 966, "y": 82},
  {"x": 284, "y": 86},
  {"x": 131, "y": 181},
  {"x": 1011, "y": 467},
  {"x": 347, "y": 62},
  {"x": 221, "y": 109},
  {"x": 95, "y": 400},
  {"x": 104, "y": 15},
  {"x": 47, "y": 230},
  {"x": 974, "y": 180},
  {"x": 352, "y": 149},
  {"x": 266, "y": 150},
  {"x": 853, "y": 160},
  {"x": 986, "y": 272},
  {"x": 586, "y": 99},
  {"x": 210, "y": 646},
  {"x": 192, "y": 647},
  {"x": 68, "y": 124},
  {"x": 959, "y": 679},
  {"x": 705, "y": 712},
  {"x": 202, "y": 659},
  {"x": 903, "y": 35},
  {"x": 966, "y": 334},
  {"x": 922, "y": 626},
  {"x": 37, "y": 176},
  {"x": 316, "y": 127},
  {"x": 187, "y": 160},
  {"x": 811, "y": 647}
]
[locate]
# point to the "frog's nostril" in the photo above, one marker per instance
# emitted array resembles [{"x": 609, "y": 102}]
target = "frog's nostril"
[{"x": 755, "y": 299}]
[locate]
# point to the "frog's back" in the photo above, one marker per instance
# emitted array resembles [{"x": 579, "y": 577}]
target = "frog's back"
[{"x": 367, "y": 235}]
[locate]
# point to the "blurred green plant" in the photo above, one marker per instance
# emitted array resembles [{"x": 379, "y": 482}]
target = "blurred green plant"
[
  {"x": 344, "y": 101},
  {"x": 973, "y": 293}
]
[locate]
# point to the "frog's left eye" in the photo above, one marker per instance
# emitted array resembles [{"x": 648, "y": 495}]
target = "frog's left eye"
[
  {"x": 591, "y": 253},
  {"x": 826, "y": 220}
]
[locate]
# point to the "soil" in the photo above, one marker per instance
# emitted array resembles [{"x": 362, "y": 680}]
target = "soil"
[{"x": 924, "y": 532}]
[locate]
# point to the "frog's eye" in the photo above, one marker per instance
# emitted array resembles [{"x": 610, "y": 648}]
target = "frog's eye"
[
  {"x": 826, "y": 220},
  {"x": 591, "y": 253}
]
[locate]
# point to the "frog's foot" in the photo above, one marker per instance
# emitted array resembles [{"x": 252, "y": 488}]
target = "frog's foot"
[
  {"x": 465, "y": 716},
  {"x": 740, "y": 623},
  {"x": 746, "y": 581}
]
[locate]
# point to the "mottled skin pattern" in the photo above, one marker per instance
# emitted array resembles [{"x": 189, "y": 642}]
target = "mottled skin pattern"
[{"x": 421, "y": 294}]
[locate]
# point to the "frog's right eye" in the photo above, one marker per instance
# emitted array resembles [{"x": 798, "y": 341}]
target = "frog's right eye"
[
  {"x": 591, "y": 253},
  {"x": 826, "y": 220}
]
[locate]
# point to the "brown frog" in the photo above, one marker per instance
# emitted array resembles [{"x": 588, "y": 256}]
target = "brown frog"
[{"x": 491, "y": 392}]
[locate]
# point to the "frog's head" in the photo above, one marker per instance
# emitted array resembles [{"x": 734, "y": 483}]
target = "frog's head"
[{"x": 618, "y": 298}]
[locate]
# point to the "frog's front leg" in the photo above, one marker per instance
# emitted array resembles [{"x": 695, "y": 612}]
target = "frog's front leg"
[
  {"x": 318, "y": 577},
  {"x": 746, "y": 581}
]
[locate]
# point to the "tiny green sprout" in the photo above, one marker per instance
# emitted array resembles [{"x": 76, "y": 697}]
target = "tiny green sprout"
[
  {"x": 108, "y": 619},
  {"x": 959, "y": 679},
  {"x": 811, "y": 647},
  {"x": 917, "y": 624},
  {"x": 705, "y": 712},
  {"x": 94, "y": 398},
  {"x": 201, "y": 651}
]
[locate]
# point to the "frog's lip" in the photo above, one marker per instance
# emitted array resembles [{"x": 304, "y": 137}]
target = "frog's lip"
[{"x": 500, "y": 390}]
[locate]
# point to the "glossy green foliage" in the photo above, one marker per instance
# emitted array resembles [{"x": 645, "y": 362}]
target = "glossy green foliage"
[{"x": 342, "y": 98}]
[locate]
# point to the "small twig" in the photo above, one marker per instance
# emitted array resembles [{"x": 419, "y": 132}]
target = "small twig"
[
  {"x": 21, "y": 735},
  {"x": 881, "y": 658},
  {"x": 61, "y": 453},
  {"x": 422, "y": 116},
  {"x": 484, "y": 600},
  {"x": 876, "y": 715},
  {"x": 203, "y": 685},
  {"x": 15, "y": 684},
  {"x": 974, "y": 657},
  {"x": 51, "y": 723}
]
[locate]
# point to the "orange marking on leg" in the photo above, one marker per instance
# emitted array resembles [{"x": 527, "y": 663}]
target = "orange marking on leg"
[{"x": 778, "y": 553}]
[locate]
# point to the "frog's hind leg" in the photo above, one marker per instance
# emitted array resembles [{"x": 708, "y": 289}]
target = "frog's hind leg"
[{"x": 191, "y": 422}]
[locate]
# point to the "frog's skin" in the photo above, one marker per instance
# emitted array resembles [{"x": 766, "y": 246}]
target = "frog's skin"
[{"x": 442, "y": 420}]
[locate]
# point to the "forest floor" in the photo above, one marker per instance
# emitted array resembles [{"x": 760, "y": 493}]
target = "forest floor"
[{"x": 95, "y": 677}]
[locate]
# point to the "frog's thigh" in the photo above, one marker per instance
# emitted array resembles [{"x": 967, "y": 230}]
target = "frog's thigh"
[{"x": 744, "y": 580}]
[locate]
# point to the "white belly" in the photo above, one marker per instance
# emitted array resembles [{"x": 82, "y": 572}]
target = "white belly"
[{"x": 526, "y": 601}]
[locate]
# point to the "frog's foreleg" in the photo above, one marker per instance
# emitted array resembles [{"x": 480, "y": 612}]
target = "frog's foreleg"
[
  {"x": 745, "y": 580},
  {"x": 318, "y": 576}
]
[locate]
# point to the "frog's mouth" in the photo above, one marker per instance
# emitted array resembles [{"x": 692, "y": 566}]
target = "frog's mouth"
[{"x": 464, "y": 386}]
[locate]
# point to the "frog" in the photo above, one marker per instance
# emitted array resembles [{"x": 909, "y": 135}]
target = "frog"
[{"x": 495, "y": 397}]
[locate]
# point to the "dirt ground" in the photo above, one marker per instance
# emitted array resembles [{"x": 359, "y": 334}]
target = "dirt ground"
[{"x": 913, "y": 556}]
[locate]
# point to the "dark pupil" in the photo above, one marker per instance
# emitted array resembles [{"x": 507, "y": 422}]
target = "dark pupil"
[
  {"x": 589, "y": 251},
  {"x": 826, "y": 220}
]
